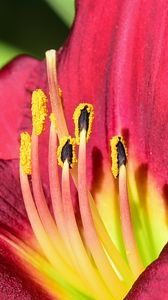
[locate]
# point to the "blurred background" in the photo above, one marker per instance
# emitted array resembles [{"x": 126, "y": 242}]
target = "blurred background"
[{"x": 33, "y": 26}]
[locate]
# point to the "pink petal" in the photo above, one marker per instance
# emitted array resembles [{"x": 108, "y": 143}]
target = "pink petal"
[{"x": 152, "y": 284}]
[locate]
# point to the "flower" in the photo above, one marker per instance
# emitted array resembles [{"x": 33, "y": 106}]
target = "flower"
[{"x": 115, "y": 59}]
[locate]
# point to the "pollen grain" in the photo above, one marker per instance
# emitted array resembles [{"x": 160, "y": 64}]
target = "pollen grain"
[
  {"x": 39, "y": 111},
  {"x": 25, "y": 152},
  {"x": 66, "y": 151},
  {"x": 83, "y": 118},
  {"x": 117, "y": 158}
]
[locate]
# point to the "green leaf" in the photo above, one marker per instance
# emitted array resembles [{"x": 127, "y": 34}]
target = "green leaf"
[
  {"x": 64, "y": 8},
  {"x": 7, "y": 52}
]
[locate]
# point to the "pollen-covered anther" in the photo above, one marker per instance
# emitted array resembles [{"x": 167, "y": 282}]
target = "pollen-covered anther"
[
  {"x": 83, "y": 119},
  {"x": 118, "y": 154},
  {"x": 39, "y": 111},
  {"x": 66, "y": 151},
  {"x": 25, "y": 152}
]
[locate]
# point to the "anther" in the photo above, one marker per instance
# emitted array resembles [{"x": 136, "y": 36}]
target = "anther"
[
  {"x": 118, "y": 154},
  {"x": 25, "y": 152},
  {"x": 66, "y": 151},
  {"x": 83, "y": 118},
  {"x": 39, "y": 111}
]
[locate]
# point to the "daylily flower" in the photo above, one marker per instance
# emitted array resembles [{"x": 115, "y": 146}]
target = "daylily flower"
[{"x": 88, "y": 230}]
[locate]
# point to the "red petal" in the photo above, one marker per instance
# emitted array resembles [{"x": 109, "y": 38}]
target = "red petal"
[
  {"x": 17, "y": 80},
  {"x": 117, "y": 58},
  {"x": 13, "y": 217},
  {"x": 152, "y": 284},
  {"x": 14, "y": 282}
]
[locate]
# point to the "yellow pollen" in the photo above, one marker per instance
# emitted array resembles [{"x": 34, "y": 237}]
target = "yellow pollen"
[
  {"x": 25, "y": 152},
  {"x": 66, "y": 151},
  {"x": 39, "y": 111},
  {"x": 53, "y": 120},
  {"x": 114, "y": 153},
  {"x": 78, "y": 121}
]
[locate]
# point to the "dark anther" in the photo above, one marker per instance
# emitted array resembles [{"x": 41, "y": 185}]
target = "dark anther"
[
  {"x": 67, "y": 153},
  {"x": 122, "y": 159},
  {"x": 84, "y": 119}
]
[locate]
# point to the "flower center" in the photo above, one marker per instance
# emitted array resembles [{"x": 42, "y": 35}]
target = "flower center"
[{"x": 79, "y": 261}]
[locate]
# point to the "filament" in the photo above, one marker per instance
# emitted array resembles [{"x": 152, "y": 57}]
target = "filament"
[
  {"x": 42, "y": 237},
  {"x": 41, "y": 204},
  {"x": 127, "y": 227},
  {"x": 115, "y": 285},
  {"x": 90, "y": 274}
]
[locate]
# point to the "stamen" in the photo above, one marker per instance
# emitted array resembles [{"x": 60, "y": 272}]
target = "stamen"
[
  {"x": 120, "y": 264},
  {"x": 43, "y": 210},
  {"x": 111, "y": 279},
  {"x": 83, "y": 119},
  {"x": 53, "y": 257},
  {"x": 55, "y": 189},
  {"x": 132, "y": 252},
  {"x": 39, "y": 110},
  {"x": 84, "y": 264},
  {"x": 119, "y": 158},
  {"x": 118, "y": 154},
  {"x": 40, "y": 200},
  {"x": 66, "y": 151},
  {"x": 25, "y": 152}
]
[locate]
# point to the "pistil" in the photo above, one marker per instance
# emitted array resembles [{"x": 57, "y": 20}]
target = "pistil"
[{"x": 56, "y": 100}]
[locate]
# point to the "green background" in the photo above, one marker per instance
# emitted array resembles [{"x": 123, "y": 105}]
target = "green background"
[{"x": 33, "y": 26}]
